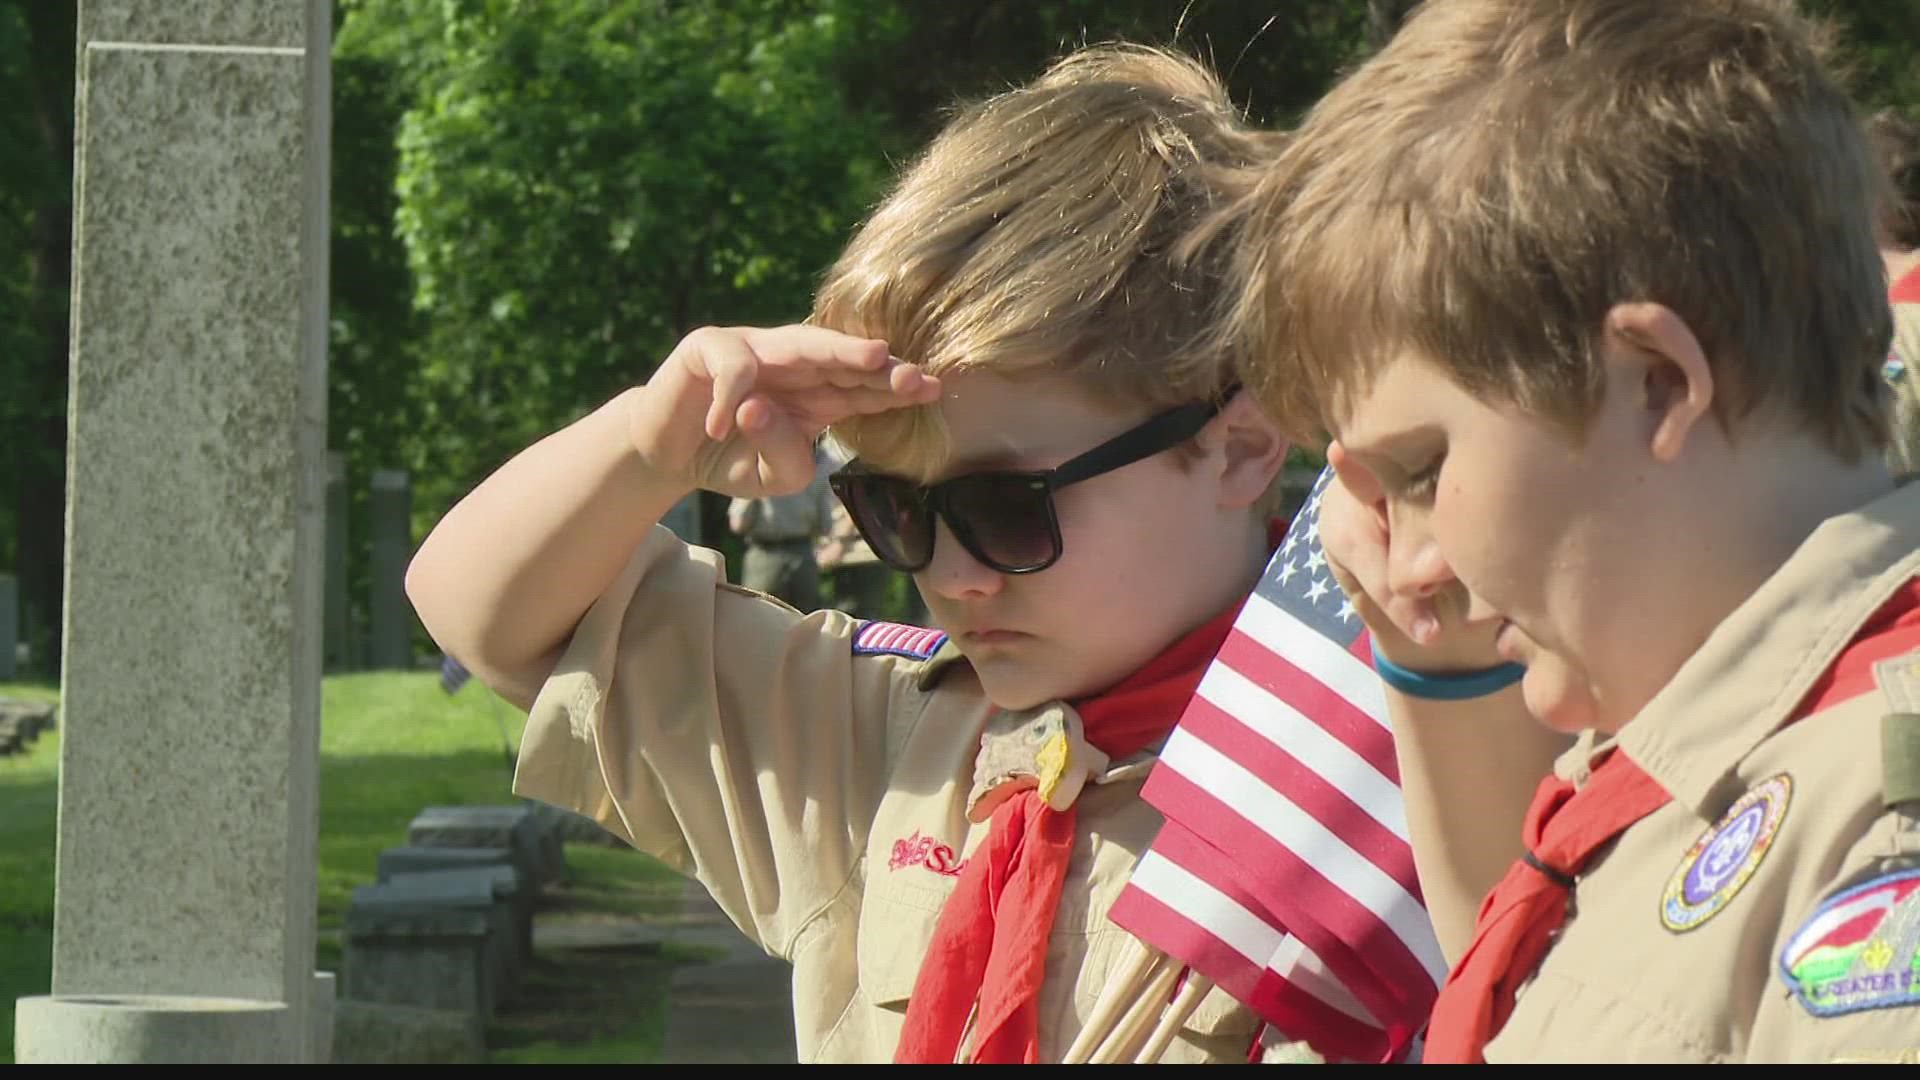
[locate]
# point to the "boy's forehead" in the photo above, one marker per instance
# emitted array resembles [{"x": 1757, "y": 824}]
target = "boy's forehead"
[
  {"x": 1377, "y": 405},
  {"x": 995, "y": 420}
]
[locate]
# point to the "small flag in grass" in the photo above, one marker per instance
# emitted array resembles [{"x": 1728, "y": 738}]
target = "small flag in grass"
[{"x": 453, "y": 676}]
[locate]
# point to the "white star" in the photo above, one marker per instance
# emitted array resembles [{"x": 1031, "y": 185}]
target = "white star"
[
  {"x": 1293, "y": 540},
  {"x": 1317, "y": 590},
  {"x": 1346, "y": 611},
  {"x": 1316, "y": 560},
  {"x": 1287, "y": 570}
]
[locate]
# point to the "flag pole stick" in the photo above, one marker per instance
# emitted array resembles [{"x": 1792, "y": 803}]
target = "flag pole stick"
[
  {"x": 1127, "y": 975},
  {"x": 1175, "y": 1017},
  {"x": 1134, "y": 1027}
]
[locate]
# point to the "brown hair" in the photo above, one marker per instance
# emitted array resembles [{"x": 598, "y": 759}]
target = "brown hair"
[
  {"x": 1052, "y": 228},
  {"x": 1897, "y": 140},
  {"x": 1483, "y": 190}
]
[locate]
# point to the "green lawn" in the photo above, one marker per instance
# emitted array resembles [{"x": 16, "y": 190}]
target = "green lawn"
[{"x": 391, "y": 744}]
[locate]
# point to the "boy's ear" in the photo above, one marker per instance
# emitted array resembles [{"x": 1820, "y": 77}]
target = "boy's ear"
[
  {"x": 1664, "y": 370},
  {"x": 1251, "y": 451}
]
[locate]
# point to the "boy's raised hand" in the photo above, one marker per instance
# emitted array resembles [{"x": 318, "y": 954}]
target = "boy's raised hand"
[
  {"x": 737, "y": 409},
  {"x": 1422, "y": 631}
]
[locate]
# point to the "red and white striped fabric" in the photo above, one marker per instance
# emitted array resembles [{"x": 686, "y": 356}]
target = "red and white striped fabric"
[
  {"x": 896, "y": 639},
  {"x": 1283, "y": 872}
]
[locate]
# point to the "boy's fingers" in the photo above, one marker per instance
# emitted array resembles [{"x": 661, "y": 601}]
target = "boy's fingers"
[
  {"x": 914, "y": 384},
  {"x": 732, "y": 369},
  {"x": 1414, "y": 617},
  {"x": 787, "y": 345},
  {"x": 783, "y": 452}
]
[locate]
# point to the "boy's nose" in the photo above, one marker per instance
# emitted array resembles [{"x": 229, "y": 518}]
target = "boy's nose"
[{"x": 954, "y": 573}]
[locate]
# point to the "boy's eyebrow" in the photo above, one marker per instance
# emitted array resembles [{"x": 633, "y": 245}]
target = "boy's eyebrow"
[
  {"x": 1379, "y": 446},
  {"x": 1003, "y": 459}
]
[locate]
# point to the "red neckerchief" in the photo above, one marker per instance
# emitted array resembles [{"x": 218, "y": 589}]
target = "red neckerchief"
[
  {"x": 990, "y": 944},
  {"x": 1907, "y": 289}
]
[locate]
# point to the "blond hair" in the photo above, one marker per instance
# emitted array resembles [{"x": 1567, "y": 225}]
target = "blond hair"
[
  {"x": 1483, "y": 190},
  {"x": 1051, "y": 229}
]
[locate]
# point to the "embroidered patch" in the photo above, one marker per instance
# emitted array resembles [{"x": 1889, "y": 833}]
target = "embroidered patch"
[
  {"x": 917, "y": 850},
  {"x": 897, "y": 639},
  {"x": 1860, "y": 949},
  {"x": 1725, "y": 856}
]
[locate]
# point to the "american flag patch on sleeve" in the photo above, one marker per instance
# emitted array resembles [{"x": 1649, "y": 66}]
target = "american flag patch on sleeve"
[{"x": 897, "y": 639}]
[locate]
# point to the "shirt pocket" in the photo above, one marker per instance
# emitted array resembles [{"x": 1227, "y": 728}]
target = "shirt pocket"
[
  {"x": 896, "y": 925},
  {"x": 1565, "y": 1019}
]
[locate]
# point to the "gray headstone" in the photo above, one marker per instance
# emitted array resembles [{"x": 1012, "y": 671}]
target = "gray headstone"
[
  {"x": 390, "y": 546},
  {"x": 9, "y": 626},
  {"x": 428, "y": 958},
  {"x": 334, "y": 650},
  {"x": 471, "y": 887},
  {"x": 188, "y": 793},
  {"x": 535, "y": 843},
  {"x": 418, "y": 860}
]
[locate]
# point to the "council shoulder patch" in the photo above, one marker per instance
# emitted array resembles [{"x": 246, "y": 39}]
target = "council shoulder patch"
[
  {"x": 1859, "y": 950},
  {"x": 897, "y": 639},
  {"x": 1726, "y": 855}
]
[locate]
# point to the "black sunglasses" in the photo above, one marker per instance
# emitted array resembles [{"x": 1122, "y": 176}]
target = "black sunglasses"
[{"x": 1006, "y": 520}]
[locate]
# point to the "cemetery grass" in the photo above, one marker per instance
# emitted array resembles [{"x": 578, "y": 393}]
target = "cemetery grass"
[{"x": 392, "y": 744}]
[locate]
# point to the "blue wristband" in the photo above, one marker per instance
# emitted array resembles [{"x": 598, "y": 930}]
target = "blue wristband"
[{"x": 1453, "y": 687}]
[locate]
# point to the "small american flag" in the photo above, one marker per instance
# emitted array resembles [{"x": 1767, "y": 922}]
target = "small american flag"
[
  {"x": 453, "y": 675},
  {"x": 1283, "y": 872}
]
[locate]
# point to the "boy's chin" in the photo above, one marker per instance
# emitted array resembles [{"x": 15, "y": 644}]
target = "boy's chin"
[{"x": 1014, "y": 687}]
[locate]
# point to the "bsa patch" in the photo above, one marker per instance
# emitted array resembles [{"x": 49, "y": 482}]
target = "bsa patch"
[
  {"x": 1860, "y": 949},
  {"x": 897, "y": 639},
  {"x": 1725, "y": 856}
]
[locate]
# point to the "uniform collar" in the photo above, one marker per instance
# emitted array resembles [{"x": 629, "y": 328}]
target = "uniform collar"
[
  {"x": 937, "y": 666},
  {"x": 1759, "y": 663}
]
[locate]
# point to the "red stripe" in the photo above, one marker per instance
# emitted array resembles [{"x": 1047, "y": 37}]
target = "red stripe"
[
  {"x": 1294, "y": 1011},
  {"x": 1313, "y": 699},
  {"x": 1305, "y": 788},
  {"x": 1297, "y": 1014},
  {"x": 1187, "y": 941},
  {"x": 1334, "y": 1035},
  {"x": 1356, "y": 944},
  {"x": 1218, "y": 869}
]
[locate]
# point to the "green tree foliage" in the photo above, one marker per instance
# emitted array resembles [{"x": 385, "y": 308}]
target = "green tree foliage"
[
  {"x": 533, "y": 199},
  {"x": 575, "y": 185},
  {"x": 36, "y": 169}
]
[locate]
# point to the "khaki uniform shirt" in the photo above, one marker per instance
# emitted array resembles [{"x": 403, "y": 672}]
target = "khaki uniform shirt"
[
  {"x": 1906, "y": 409},
  {"x": 1673, "y": 947},
  {"x": 819, "y": 795}
]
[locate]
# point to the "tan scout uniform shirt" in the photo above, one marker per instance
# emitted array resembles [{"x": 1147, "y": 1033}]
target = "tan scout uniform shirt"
[
  {"x": 820, "y": 796},
  {"x": 1906, "y": 414},
  {"x": 1618, "y": 984}
]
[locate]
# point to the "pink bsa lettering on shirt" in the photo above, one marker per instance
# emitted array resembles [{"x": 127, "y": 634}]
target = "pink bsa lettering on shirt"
[{"x": 918, "y": 850}]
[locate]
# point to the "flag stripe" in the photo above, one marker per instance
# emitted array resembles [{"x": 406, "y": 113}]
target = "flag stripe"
[
  {"x": 1311, "y": 792},
  {"x": 1226, "y": 693},
  {"x": 1320, "y": 659},
  {"x": 1268, "y": 815},
  {"x": 1251, "y": 937},
  {"x": 1276, "y": 680},
  {"x": 1285, "y": 829},
  {"x": 1360, "y": 945}
]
